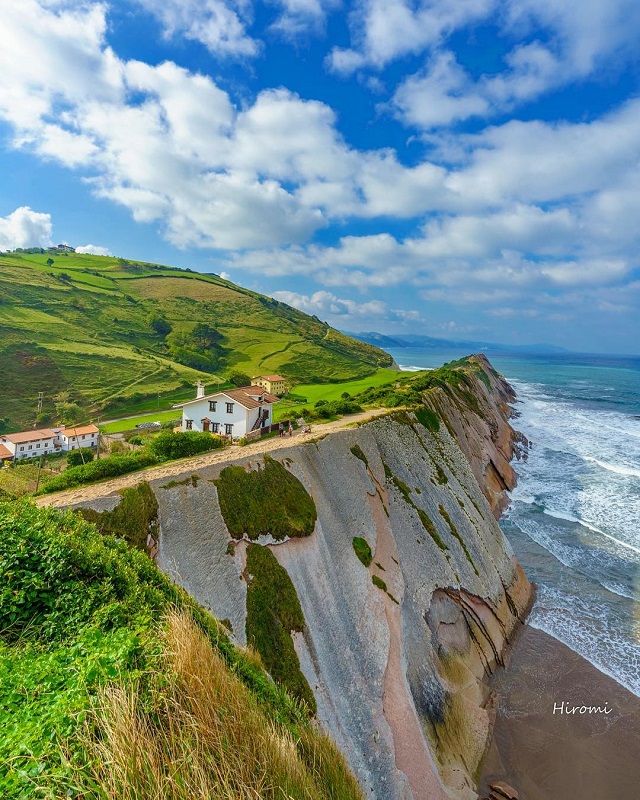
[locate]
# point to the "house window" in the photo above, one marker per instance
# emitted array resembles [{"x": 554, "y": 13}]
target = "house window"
[
  {"x": 22, "y": 448},
  {"x": 229, "y": 408},
  {"x": 215, "y": 427},
  {"x": 212, "y": 405},
  {"x": 83, "y": 436},
  {"x": 189, "y": 424},
  {"x": 30, "y": 447},
  {"x": 228, "y": 429},
  {"x": 38, "y": 445}
]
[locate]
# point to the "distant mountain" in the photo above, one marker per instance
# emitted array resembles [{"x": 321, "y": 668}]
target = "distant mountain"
[{"x": 432, "y": 343}]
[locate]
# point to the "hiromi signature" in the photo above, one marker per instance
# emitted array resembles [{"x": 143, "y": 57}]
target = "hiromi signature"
[{"x": 565, "y": 708}]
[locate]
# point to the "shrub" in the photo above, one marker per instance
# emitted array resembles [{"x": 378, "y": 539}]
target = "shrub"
[
  {"x": 84, "y": 455},
  {"x": 169, "y": 444},
  {"x": 97, "y": 471}
]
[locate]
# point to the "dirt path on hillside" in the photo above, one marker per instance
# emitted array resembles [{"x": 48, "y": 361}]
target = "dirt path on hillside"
[{"x": 84, "y": 493}]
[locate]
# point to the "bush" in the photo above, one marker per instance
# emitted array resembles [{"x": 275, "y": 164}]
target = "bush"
[
  {"x": 77, "y": 457},
  {"x": 97, "y": 471},
  {"x": 169, "y": 445},
  {"x": 135, "y": 439}
]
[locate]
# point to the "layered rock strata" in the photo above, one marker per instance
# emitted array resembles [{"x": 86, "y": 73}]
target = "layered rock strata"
[{"x": 398, "y": 666}]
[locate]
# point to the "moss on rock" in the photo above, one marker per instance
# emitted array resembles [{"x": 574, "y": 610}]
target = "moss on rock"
[{"x": 267, "y": 501}]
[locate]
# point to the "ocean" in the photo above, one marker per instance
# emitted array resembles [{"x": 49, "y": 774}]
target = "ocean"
[{"x": 574, "y": 518}]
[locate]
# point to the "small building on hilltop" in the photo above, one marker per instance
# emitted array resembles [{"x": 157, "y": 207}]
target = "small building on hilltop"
[
  {"x": 61, "y": 248},
  {"x": 31, "y": 444},
  {"x": 275, "y": 384},
  {"x": 230, "y": 412}
]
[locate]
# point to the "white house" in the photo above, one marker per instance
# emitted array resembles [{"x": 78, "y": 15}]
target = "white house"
[
  {"x": 75, "y": 436},
  {"x": 31, "y": 444},
  {"x": 232, "y": 412}
]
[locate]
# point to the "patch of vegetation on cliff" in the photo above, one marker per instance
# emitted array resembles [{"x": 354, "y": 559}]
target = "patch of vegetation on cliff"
[
  {"x": 269, "y": 500},
  {"x": 133, "y": 519},
  {"x": 273, "y": 612},
  {"x": 428, "y": 418},
  {"x": 102, "y": 659},
  {"x": 427, "y": 524},
  {"x": 441, "y": 476},
  {"x": 454, "y": 532},
  {"x": 362, "y": 550},
  {"x": 357, "y": 452},
  {"x": 193, "y": 480}
]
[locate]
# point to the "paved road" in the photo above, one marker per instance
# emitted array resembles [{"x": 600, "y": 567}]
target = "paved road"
[{"x": 84, "y": 493}]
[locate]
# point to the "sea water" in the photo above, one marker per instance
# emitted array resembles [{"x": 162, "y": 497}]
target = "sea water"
[{"x": 574, "y": 518}]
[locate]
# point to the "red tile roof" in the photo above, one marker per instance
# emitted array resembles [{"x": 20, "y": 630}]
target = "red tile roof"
[
  {"x": 78, "y": 430},
  {"x": 30, "y": 436},
  {"x": 4, "y": 453}
]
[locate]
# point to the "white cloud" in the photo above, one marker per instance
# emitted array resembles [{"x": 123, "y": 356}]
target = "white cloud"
[
  {"x": 383, "y": 30},
  {"x": 219, "y": 26},
  {"x": 93, "y": 250},
  {"x": 25, "y": 228},
  {"x": 301, "y": 16}
]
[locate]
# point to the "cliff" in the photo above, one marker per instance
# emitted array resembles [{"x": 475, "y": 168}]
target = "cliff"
[{"x": 384, "y": 592}]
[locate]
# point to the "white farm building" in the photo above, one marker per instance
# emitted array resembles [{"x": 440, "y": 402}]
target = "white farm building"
[
  {"x": 30, "y": 444},
  {"x": 230, "y": 412}
]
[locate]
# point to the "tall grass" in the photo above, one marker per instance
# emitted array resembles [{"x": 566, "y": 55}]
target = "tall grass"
[{"x": 205, "y": 738}]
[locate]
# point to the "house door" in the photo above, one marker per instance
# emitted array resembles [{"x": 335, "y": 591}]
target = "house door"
[{"x": 205, "y": 424}]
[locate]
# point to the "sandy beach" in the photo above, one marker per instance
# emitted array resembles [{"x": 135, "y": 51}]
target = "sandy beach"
[{"x": 560, "y": 756}]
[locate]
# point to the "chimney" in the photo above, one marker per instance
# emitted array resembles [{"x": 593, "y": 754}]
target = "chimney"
[{"x": 200, "y": 390}]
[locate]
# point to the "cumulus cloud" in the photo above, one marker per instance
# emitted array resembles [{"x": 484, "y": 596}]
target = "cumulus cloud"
[
  {"x": 219, "y": 26},
  {"x": 513, "y": 208},
  {"x": 343, "y": 310},
  {"x": 383, "y": 30},
  {"x": 93, "y": 250},
  {"x": 25, "y": 228}
]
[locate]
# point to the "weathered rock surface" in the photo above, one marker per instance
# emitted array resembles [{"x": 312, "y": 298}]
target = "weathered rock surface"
[{"x": 398, "y": 675}]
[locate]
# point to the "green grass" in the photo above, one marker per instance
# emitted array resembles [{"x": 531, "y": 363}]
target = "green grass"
[
  {"x": 273, "y": 612},
  {"x": 377, "y": 581},
  {"x": 334, "y": 391},
  {"x": 85, "y": 623},
  {"x": 130, "y": 423},
  {"x": 133, "y": 519},
  {"x": 89, "y": 333},
  {"x": 363, "y": 550},
  {"x": 268, "y": 501}
]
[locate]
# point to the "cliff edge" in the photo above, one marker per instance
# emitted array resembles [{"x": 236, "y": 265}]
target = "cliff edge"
[{"x": 369, "y": 571}]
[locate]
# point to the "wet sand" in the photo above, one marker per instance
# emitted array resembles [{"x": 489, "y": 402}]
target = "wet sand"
[{"x": 547, "y": 756}]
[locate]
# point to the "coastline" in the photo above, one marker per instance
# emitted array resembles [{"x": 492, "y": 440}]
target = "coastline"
[
  {"x": 552, "y": 756},
  {"x": 562, "y": 728}
]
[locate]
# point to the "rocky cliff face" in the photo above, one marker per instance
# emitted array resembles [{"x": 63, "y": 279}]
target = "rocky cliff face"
[{"x": 396, "y": 651}]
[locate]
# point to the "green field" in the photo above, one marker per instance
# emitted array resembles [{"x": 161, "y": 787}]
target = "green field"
[
  {"x": 88, "y": 326},
  {"x": 130, "y": 423}
]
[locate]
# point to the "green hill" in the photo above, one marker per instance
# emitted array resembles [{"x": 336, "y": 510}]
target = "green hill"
[{"x": 114, "y": 333}]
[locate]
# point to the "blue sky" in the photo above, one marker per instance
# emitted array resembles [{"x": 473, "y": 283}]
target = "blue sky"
[{"x": 466, "y": 169}]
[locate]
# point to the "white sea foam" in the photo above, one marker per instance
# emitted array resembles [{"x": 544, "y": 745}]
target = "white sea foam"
[
  {"x": 585, "y": 625},
  {"x": 619, "y": 470},
  {"x": 583, "y": 472}
]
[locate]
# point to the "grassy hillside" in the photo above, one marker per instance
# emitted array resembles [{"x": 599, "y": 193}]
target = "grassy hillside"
[
  {"x": 115, "y": 685},
  {"x": 116, "y": 333}
]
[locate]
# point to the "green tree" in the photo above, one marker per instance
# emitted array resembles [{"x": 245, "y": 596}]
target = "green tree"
[
  {"x": 240, "y": 379},
  {"x": 49, "y": 262},
  {"x": 77, "y": 457},
  {"x": 160, "y": 325}
]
